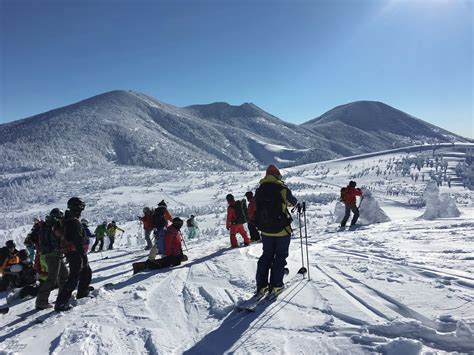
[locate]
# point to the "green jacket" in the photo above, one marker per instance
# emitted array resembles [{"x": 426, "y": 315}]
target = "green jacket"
[{"x": 100, "y": 231}]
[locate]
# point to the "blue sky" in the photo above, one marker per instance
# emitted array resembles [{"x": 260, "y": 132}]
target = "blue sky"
[{"x": 295, "y": 59}]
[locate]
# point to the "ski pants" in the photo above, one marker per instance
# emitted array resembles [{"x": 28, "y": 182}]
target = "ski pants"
[
  {"x": 57, "y": 272},
  {"x": 254, "y": 234},
  {"x": 275, "y": 252},
  {"x": 192, "y": 232},
  {"x": 111, "y": 242},
  {"x": 354, "y": 210},
  {"x": 80, "y": 275},
  {"x": 160, "y": 240},
  {"x": 31, "y": 253},
  {"x": 97, "y": 240},
  {"x": 238, "y": 228},
  {"x": 149, "y": 244}
]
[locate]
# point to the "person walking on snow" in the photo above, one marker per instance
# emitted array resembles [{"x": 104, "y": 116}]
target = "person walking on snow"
[
  {"x": 235, "y": 221},
  {"x": 348, "y": 196},
  {"x": 147, "y": 221},
  {"x": 112, "y": 229},
  {"x": 192, "y": 225},
  {"x": 72, "y": 243},
  {"x": 100, "y": 233},
  {"x": 254, "y": 234},
  {"x": 272, "y": 199}
]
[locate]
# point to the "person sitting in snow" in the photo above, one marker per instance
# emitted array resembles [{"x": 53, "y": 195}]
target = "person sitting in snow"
[
  {"x": 174, "y": 252},
  {"x": 348, "y": 197}
]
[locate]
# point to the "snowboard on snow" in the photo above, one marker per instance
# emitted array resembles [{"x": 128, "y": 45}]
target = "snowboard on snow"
[{"x": 153, "y": 264}]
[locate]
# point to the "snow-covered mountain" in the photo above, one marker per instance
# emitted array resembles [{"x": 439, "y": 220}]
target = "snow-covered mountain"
[
  {"x": 130, "y": 128},
  {"x": 370, "y": 125}
]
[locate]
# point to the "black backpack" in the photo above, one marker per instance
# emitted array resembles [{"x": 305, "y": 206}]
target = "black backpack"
[
  {"x": 269, "y": 216},
  {"x": 342, "y": 198},
  {"x": 240, "y": 208},
  {"x": 189, "y": 222},
  {"x": 159, "y": 220}
]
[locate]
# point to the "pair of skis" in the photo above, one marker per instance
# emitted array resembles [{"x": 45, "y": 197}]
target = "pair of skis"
[{"x": 251, "y": 304}]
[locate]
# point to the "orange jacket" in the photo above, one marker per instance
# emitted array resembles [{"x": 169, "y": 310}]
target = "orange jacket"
[{"x": 230, "y": 214}]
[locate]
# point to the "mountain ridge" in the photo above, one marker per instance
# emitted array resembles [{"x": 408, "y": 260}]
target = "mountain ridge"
[{"x": 132, "y": 128}]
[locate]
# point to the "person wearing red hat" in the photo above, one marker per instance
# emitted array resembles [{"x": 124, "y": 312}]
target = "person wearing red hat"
[
  {"x": 272, "y": 199},
  {"x": 235, "y": 220}
]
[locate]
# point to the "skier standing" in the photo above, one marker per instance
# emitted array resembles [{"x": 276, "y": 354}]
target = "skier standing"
[
  {"x": 49, "y": 247},
  {"x": 192, "y": 225},
  {"x": 254, "y": 234},
  {"x": 235, "y": 221},
  {"x": 273, "y": 198},
  {"x": 112, "y": 229},
  {"x": 72, "y": 244},
  {"x": 147, "y": 221},
  {"x": 161, "y": 217},
  {"x": 100, "y": 233},
  {"x": 348, "y": 196}
]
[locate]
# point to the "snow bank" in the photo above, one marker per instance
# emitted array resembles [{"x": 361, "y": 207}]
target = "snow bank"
[
  {"x": 438, "y": 205},
  {"x": 370, "y": 210},
  {"x": 459, "y": 340},
  {"x": 400, "y": 346}
]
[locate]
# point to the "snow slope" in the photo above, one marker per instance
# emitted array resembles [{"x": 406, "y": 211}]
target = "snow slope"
[{"x": 401, "y": 287}]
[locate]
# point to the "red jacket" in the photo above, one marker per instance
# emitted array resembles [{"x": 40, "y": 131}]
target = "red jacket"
[
  {"x": 173, "y": 242},
  {"x": 147, "y": 221},
  {"x": 350, "y": 195},
  {"x": 230, "y": 214}
]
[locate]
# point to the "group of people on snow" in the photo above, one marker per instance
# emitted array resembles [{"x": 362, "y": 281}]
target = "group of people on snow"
[
  {"x": 61, "y": 235},
  {"x": 266, "y": 214}
]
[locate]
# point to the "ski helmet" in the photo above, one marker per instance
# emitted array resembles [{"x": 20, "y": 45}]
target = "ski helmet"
[
  {"x": 162, "y": 203},
  {"x": 76, "y": 204},
  {"x": 146, "y": 210},
  {"x": 229, "y": 197},
  {"x": 352, "y": 183},
  {"x": 177, "y": 222},
  {"x": 10, "y": 244},
  {"x": 56, "y": 213},
  {"x": 85, "y": 222},
  {"x": 249, "y": 194}
]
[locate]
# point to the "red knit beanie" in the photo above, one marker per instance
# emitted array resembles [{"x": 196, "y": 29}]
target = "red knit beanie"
[{"x": 273, "y": 170}]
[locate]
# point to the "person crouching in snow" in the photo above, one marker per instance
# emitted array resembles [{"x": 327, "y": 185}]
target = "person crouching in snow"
[
  {"x": 174, "y": 252},
  {"x": 236, "y": 217}
]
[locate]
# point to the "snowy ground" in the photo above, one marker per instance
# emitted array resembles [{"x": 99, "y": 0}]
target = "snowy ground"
[{"x": 405, "y": 286}]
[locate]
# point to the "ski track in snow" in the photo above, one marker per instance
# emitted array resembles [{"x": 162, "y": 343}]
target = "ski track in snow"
[{"x": 403, "y": 284}]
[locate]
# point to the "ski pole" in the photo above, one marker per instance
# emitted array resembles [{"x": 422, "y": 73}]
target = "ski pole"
[
  {"x": 303, "y": 269},
  {"x": 182, "y": 239},
  {"x": 306, "y": 238}
]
